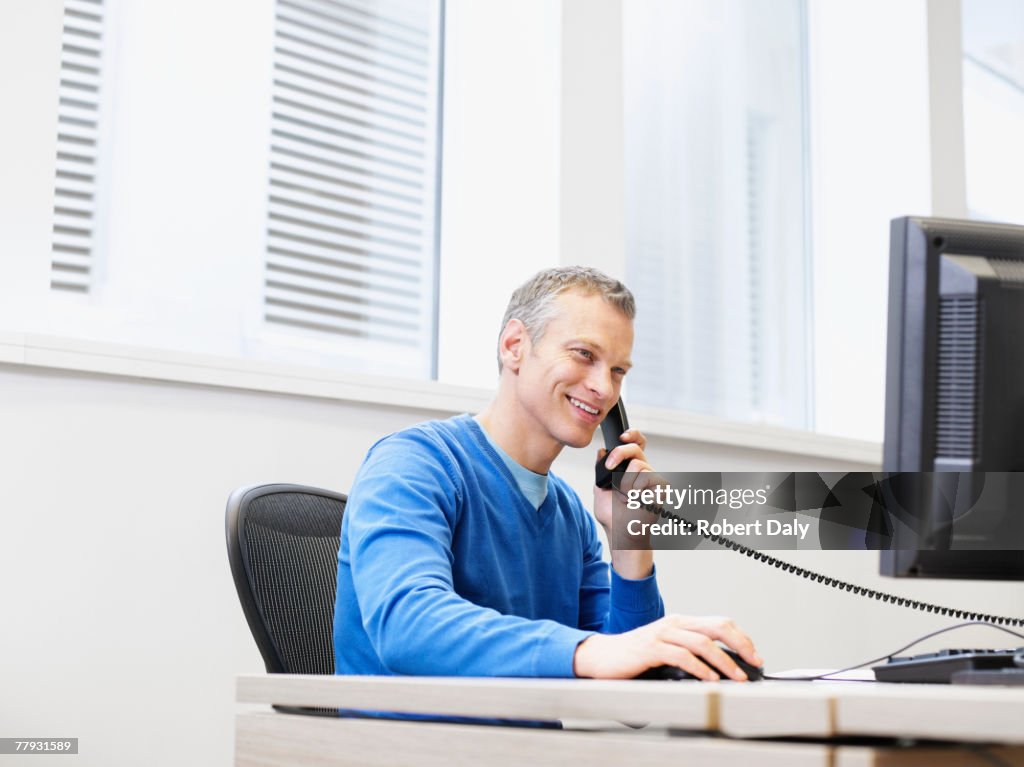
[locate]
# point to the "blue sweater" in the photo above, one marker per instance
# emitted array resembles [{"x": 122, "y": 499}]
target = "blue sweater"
[{"x": 446, "y": 569}]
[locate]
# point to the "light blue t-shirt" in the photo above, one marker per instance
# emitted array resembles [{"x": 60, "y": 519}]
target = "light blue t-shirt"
[{"x": 533, "y": 485}]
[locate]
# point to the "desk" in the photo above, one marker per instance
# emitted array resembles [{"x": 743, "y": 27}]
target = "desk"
[{"x": 688, "y": 723}]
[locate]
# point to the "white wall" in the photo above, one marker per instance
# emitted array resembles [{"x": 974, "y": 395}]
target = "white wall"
[
  {"x": 128, "y": 632},
  {"x": 123, "y": 628}
]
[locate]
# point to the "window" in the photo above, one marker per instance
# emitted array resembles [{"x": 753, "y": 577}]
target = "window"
[
  {"x": 352, "y": 216},
  {"x": 716, "y": 206},
  {"x": 278, "y": 203},
  {"x": 78, "y": 140},
  {"x": 993, "y": 70}
]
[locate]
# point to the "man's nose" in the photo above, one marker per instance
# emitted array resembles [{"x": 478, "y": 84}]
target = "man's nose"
[{"x": 601, "y": 383}]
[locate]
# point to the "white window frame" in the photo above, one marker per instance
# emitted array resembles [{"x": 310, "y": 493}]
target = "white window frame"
[{"x": 293, "y": 343}]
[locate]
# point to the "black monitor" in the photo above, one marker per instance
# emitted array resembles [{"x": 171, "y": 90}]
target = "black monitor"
[{"x": 954, "y": 399}]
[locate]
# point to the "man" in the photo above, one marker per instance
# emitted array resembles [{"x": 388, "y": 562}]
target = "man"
[{"x": 461, "y": 554}]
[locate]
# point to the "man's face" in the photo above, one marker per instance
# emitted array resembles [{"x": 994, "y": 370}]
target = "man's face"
[{"x": 570, "y": 379}]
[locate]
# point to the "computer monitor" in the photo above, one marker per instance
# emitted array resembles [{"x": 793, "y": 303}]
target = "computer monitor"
[{"x": 955, "y": 396}]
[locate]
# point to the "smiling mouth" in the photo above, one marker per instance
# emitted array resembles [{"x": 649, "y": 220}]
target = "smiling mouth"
[{"x": 583, "y": 406}]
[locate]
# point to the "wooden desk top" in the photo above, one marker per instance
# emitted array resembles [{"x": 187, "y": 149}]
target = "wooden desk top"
[{"x": 750, "y": 710}]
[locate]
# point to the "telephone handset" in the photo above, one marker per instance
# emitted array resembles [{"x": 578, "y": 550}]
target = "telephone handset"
[
  {"x": 615, "y": 423},
  {"x": 611, "y": 428}
]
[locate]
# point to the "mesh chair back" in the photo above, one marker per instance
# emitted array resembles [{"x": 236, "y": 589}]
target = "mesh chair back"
[{"x": 283, "y": 548}]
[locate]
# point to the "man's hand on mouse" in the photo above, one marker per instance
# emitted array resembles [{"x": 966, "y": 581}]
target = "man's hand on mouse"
[{"x": 675, "y": 640}]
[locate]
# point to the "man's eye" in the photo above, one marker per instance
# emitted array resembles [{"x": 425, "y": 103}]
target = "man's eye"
[{"x": 587, "y": 354}]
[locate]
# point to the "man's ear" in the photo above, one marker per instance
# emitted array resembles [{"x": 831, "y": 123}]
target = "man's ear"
[{"x": 513, "y": 345}]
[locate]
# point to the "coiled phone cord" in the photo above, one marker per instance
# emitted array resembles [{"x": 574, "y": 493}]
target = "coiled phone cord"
[{"x": 837, "y": 583}]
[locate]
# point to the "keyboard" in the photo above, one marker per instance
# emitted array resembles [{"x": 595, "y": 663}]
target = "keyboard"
[{"x": 939, "y": 667}]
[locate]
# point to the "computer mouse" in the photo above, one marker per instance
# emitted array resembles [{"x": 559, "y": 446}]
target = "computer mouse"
[{"x": 754, "y": 673}]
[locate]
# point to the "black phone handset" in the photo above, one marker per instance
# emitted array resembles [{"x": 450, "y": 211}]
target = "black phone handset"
[
  {"x": 611, "y": 428},
  {"x": 616, "y": 422}
]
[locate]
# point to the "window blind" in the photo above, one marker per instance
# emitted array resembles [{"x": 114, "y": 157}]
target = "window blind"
[
  {"x": 78, "y": 109},
  {"x": 352, "y": 204}
]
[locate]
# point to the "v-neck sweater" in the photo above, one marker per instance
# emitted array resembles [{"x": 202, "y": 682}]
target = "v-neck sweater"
[
  {"x": 445, "y": 568},
  {"x": 531, "y": 484}
]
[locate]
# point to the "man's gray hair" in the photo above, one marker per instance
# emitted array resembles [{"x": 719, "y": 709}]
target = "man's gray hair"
[{"x": 533, "y": 302}]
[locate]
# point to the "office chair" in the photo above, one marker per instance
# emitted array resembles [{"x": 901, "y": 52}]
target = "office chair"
[{"x": 283, "y": 549}]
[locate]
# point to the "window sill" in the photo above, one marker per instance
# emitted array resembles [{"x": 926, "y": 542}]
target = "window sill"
[{"x": 54, "y": 352}]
